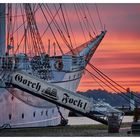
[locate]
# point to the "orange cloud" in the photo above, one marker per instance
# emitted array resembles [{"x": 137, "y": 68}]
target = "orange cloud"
[{"x": 118, "y": 55}]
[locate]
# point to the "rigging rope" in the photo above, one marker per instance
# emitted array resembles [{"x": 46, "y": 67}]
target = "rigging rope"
[
  {"x": 80, "y": 13},
  {"x": 16, "y": 28},
  {"x": 23, "y": 19},
  {"x": 9, "y": 24},
  {"x": 99, "y": 16},
  {"x": 14, "y": 19},
  {"x": 107, "y": 79},
  {"x": 32, "y": 28},
  {"x": 60, "y": 19},
  {"x": 109, "y": 86},
  {"x": 110, "y": 79},
  {"x": 22, "y": 23},
  {"x": 51, "y": 29},
  {"x": 57, "y": 10},
  {"x": 79, "y": 22},
  {"x": 94, "y": 78},
  {"x": 70, "y": 26},
  {"x": 91, "y": 20},
  {"x": 61, "y": 33},
  {"x": 101, "y": 81},
  {"x": 38, "y": 44},
  {"x": 59, "y": 30},
  {"x": 68, "y": 34},
  {"x": 87, "y": 23},
  {"x": 18, "y": 45}
]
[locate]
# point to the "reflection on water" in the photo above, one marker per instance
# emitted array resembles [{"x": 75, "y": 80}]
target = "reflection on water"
[{"x": 86, "y": 121}]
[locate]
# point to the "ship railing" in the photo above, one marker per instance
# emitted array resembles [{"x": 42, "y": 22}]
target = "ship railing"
[
  {"x": 12, "y": 63},
  {"x": 22, "y": 62}
]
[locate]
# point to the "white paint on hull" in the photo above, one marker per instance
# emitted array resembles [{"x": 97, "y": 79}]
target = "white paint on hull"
[{"x": 40, "y": 112}]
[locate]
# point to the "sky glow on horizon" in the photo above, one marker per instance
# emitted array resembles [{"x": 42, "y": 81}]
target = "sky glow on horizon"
[{"x": 118, "y": 55}]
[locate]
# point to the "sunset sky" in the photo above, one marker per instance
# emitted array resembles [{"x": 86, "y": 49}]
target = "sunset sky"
[{"x": 118, "y": 56}]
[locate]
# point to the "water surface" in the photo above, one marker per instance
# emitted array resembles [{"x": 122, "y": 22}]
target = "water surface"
[{"x": 87, "y": 121}]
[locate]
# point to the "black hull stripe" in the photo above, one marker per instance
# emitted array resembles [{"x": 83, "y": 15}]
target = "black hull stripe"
[{"x": 84, "y": 114}]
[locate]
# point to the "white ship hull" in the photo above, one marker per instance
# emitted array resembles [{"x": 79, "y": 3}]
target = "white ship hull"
[
  {"x": 25, "y": 110},
  {"x": 20, "y": 109}
]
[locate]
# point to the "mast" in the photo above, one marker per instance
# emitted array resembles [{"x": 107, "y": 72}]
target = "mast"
[{"x": 2, "y": 29}]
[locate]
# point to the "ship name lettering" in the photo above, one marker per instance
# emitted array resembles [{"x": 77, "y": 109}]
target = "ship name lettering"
[
  {"x": 19, "y": 78},
  {"x": 68, "y": 100}
]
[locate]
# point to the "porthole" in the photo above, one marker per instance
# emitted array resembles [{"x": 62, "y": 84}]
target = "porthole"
[
  {"x": 34, "y": 114},
  {"x": 10, "y": 116},
  {"x": 22, "y": 115}
]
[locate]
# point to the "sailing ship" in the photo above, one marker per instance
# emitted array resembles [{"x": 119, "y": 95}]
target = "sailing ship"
[{"x": 24, "y": 50}]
